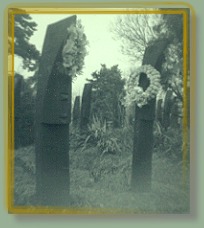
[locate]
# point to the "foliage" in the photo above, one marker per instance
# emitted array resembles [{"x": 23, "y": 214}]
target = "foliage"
[
  {"x": 101, "y": 137},
  {"x": 24, "y": 171},
  {"x": 135, "y": 32},
  {"x": 25, "y": 113},
  {"x": 173, "y": 69},
  {"x": 168, "y": 143},
  {"x": 24, "y": 28},
  {"x": 107, "y": 93},
  {"x": 170, "y": 26}
]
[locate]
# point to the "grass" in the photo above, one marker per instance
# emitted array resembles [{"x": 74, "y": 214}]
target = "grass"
[{"x": 102, "y": 180}]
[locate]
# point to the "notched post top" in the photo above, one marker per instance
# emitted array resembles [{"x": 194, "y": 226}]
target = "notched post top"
[
  {"x": 54, "y": 85},
  {"x": 154, "y": 56}
]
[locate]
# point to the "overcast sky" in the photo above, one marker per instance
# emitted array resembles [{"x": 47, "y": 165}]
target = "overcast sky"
[{"x": 102, "y": 49}]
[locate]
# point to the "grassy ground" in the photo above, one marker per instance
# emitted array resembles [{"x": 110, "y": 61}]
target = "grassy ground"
[{"x": 102, "y": 179}]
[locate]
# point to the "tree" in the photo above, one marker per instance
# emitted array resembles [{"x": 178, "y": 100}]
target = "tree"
[
  {"x": 24, "y": 110},
  {"x": 170, "y": 26},
  {"x": 135, "y": 32},
  {"x": 107, "y": 87},
  {"x": 24, "y": 28},
  {"x": 138, "y": 32}
]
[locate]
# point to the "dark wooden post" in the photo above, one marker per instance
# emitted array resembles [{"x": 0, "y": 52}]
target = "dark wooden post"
[
  {"x": 76, "y": 112},
  {"x": 86, "y": 106},
  {"x": 166, "y": 120},
  {"x": 53, "y": 115},
  {"x": 143, "y": 127},
  {"x": 159, "y": 111}
]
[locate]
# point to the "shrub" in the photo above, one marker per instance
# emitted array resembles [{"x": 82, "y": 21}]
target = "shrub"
[
  {"x": 102, "y": 138},
  {"x": 168, "y": 143}
]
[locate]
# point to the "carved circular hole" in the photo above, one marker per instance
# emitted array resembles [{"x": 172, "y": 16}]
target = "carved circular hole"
[{"x": 144, "y": 81}]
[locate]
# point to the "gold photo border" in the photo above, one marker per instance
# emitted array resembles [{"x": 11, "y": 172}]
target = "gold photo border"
[{"x": 93, "y": 8}]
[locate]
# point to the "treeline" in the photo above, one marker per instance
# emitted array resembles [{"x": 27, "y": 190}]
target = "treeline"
[{"x": 102, "y": 99}]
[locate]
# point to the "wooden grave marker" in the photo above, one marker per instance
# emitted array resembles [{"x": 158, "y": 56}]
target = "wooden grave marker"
[
  {"x": 53, "y": 115},
  {"x": 76, "y": 112},
  {"x": 86, "y": 106},
  {"x": 143, "y": 126}
]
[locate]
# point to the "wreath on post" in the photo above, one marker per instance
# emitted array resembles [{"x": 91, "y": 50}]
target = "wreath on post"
[
  {"x": 135, "y": 93},
  {"x": 74, "y": 50}
]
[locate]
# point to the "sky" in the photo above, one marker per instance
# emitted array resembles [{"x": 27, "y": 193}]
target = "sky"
[{"x": 102, "y": 48}]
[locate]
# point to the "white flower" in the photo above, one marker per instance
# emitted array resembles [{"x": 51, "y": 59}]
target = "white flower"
[
  {"x": 74, "y": 51},
  {"x": 135, "y": 93}
]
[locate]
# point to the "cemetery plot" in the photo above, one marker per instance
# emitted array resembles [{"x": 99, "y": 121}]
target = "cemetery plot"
[{"x": 117, "y": 146}]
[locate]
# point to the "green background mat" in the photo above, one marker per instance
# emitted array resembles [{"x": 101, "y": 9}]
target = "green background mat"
[{"x": 196, "y": 219}]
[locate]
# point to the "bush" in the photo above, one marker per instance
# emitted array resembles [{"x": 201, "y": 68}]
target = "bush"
[
  {"x": 168, "y": 143},
  {"x": 101, "y": 137},
  {"x": 24, "y": 172}
]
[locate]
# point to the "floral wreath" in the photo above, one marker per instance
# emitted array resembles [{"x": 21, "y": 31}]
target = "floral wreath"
[
  {"x": 74, "y": 50},
  {"x": 135, "y": 93}
]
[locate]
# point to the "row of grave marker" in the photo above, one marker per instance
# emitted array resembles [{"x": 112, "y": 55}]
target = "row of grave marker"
[{"x": 167, "y": 112}]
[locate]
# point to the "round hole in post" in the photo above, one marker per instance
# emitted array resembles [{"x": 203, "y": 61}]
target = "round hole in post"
[
  {"x": 149, "y": 81},
  {"x": 144, "y": 81}
]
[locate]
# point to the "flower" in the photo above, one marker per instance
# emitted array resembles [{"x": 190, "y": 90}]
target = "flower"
[
  {"x": 135, "y": 93},
  {"x": 74, "y": 50}
]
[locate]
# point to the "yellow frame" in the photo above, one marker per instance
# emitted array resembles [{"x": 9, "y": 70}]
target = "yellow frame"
[{"x": 89, "y": 8}]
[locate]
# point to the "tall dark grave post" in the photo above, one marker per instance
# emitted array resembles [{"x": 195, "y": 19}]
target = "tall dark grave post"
[
  {"x": 53, "y": 116},
  {"x": 76, "y": 112},
  {"x": 86, "y": 106},
  {"x": 143, "y": 127},
  {"x": 166, "y": 120}
]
